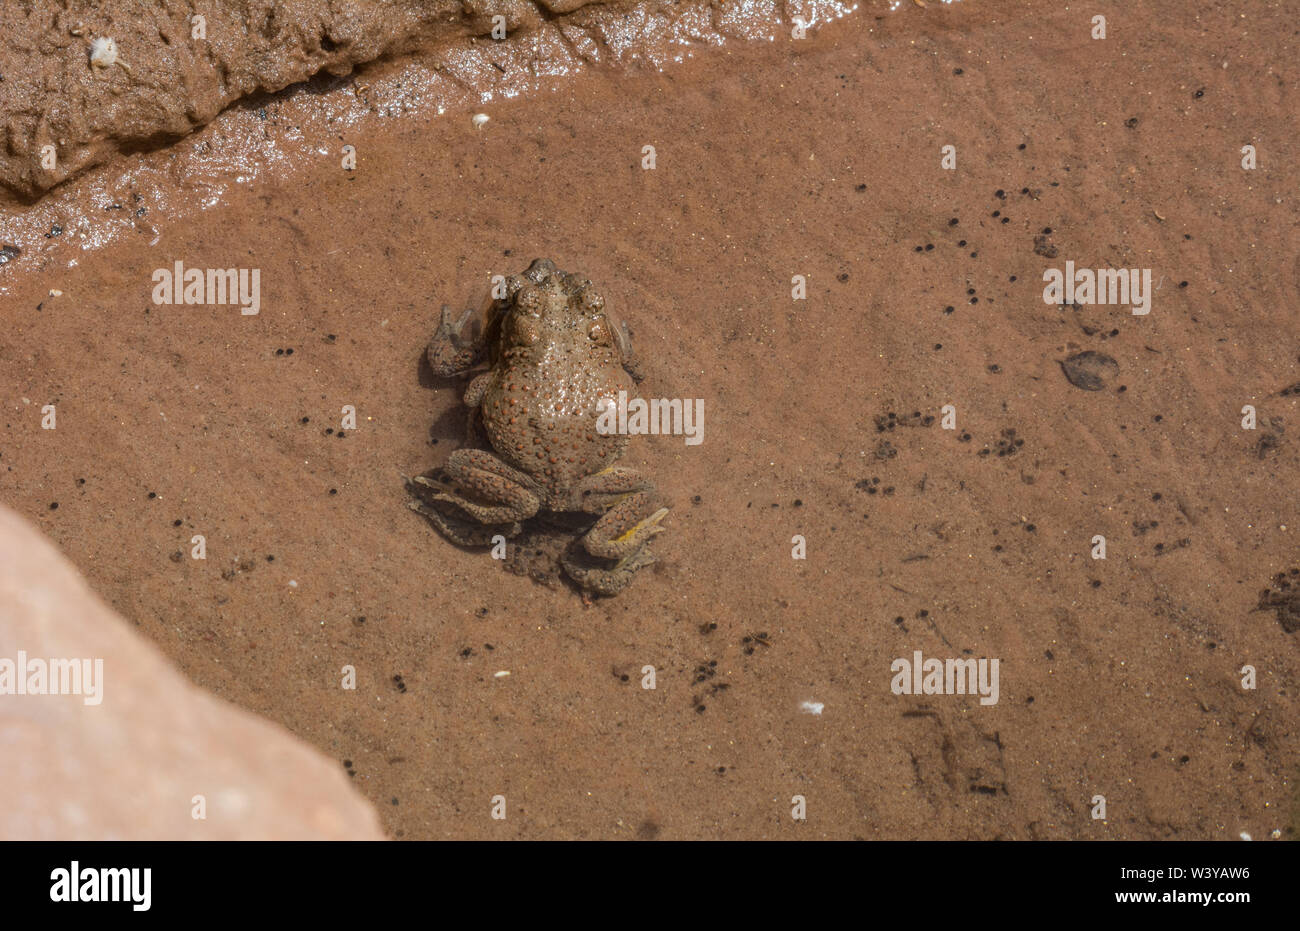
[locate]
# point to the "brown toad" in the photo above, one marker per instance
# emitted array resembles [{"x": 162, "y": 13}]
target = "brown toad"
[{"x": 556, "y": 362}]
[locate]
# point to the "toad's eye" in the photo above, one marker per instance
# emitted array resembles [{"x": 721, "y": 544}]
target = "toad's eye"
[
  {"x": 523, "y": 331},
  {"x": 598, "y": 332},
  {"x": 529, "y": 300}
]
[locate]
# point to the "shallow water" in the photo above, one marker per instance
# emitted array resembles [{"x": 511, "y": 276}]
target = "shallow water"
[
  {"x": 305, "y": 125},
  {"x": 924, "y": 289}
]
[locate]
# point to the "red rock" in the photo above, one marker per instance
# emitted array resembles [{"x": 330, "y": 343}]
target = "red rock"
[{"x": 131, "y": 766}]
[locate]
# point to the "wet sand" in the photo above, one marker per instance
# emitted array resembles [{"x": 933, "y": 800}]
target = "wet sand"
[{"x": 819, "y": 158}]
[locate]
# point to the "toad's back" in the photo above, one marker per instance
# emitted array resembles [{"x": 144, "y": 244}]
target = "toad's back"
[{"x": 541, "y": 409}]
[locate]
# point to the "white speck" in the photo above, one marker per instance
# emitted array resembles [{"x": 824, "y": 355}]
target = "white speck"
[
  {"x": 1245, "y": 836},
  {"x": 479, "y": 120},
  {"x": 1275, "y": 834},
  {"x": 501, "y": 674},
  {"x": 103, "y": 53},
  {"x": 812, "y": 707},
  {"x": 293, "y": 583},
  {"x": 55, "y": 292}
]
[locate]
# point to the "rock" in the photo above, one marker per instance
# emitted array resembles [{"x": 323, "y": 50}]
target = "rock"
[
  {"x": 129, "y": 766},
  {"x": 1089, "y": 370},
  {"x": 95, "y": 78}
]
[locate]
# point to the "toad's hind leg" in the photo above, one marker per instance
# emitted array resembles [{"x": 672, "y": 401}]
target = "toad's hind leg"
[
  {"x": 599, "y": 492},
  {"x": 620, "y": 536},
  {"x": 624, "y": 528},
  {"x": 463, "y": 532},
  {"x": 499, "y": 497}
]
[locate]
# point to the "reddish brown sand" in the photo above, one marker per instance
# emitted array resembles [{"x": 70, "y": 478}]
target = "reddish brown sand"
[{"x": 819, "y": 158}]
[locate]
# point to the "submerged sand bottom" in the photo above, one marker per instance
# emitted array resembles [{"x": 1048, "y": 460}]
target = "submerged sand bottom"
[{"x": 1118, "y": 678}]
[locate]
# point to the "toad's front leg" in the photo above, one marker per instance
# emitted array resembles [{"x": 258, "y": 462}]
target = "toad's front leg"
[{"x": 451, "y": 351}]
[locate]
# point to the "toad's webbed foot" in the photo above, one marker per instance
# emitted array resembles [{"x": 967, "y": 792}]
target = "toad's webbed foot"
[{"x": 592, "y": 576}]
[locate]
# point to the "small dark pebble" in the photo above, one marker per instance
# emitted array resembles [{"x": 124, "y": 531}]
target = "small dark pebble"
[{"x": 1089, "y": 370}]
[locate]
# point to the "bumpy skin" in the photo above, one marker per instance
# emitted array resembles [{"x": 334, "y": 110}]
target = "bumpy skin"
[{"x": 555, "y": 357}]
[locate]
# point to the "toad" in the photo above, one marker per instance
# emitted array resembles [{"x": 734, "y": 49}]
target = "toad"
[{"x": 556, "y": 362}]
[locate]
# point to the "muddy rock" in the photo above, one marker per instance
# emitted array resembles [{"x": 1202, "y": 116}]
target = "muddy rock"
[{"x": 82, "y": 80}]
